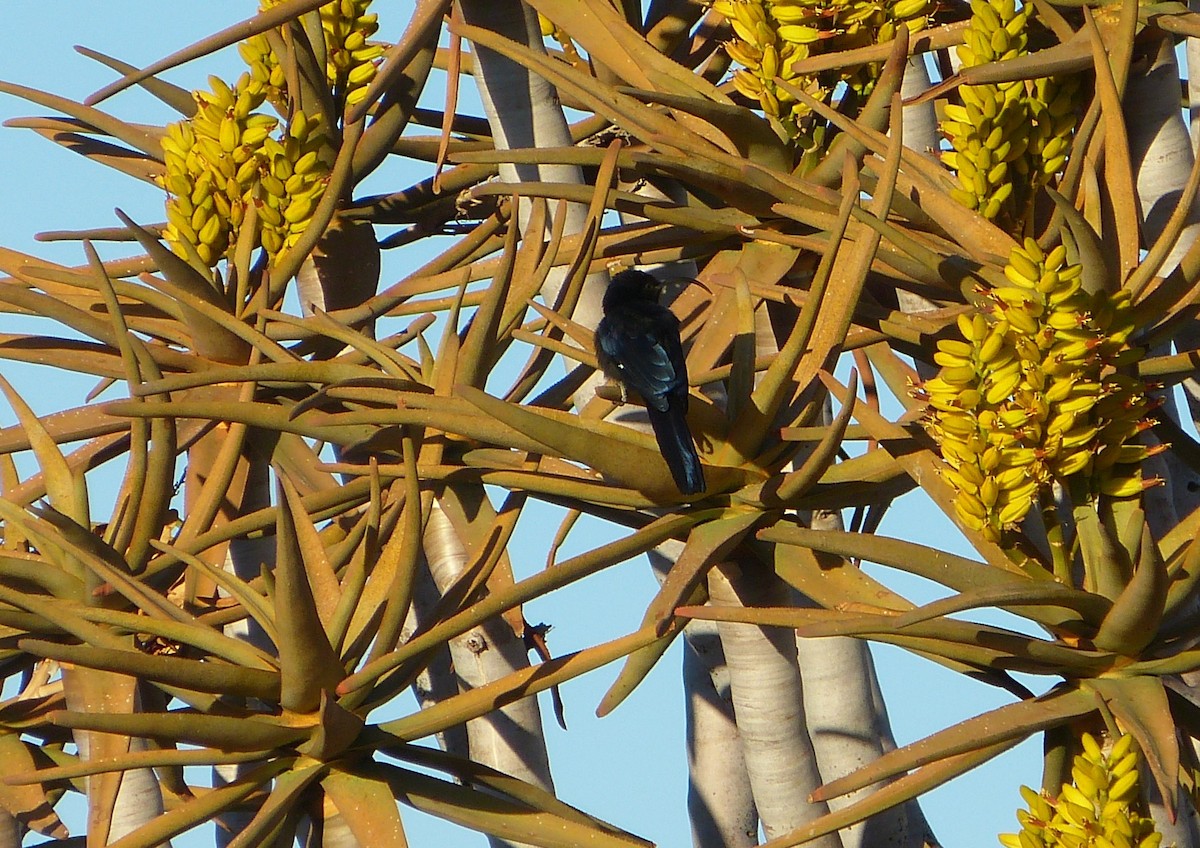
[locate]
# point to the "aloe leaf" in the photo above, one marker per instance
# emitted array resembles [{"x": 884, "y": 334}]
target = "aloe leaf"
[
  {"x": 640, "y": 661},
  {"x": 403, "y": 75},
  {"x": 497, "y": 815},
  {"x": 115, "y": 156},
  {"x": 1120, "y": 236},
  {"x": 592, "y": 442},
  {"x": 207, "y": 676},
  {"x": 251, "y": 601},
  {"x": 201, "y": 809},
  {"x": 107, "y": 565},
  {"x": 961, "y": 574},
  {"x": 482, "y": 344},
  {"x": 261, "y": 22},
  {"x": 575, "y": 568},
  {"x": 976, "y": 645},
  {"x": 149, "y": 474},
  {"x": 139, "y": 137},
  {"x": 707, "y": 545},
  {"x": 312, "y": 554},
  {"x": 644, "y": 121},
  {"x": 152, "y": 758},
  {"x": 1140, "y": 705},
  {"x": 512, "y": 687},
  {"x": 179, "y": 99},
  {"x": 823, "y": 454},
  {"x": 212, "y": 330},
  {"x": 751, "y": 134},
  {"x": 285, "y": 795},
  {"x": 828, "y": 580},
  {"x": 607, "y": 35},
  {"x": 228, "y": 733},
  {"x": 66, "y": 488},
  {"x": 477, "y": 774},
  {"x": 895, "y": 793},
  {"x": 808, "y": 347},
  {"x": 873, "y": 116},
  {"x": 28, "y": 802},
  {"x": 1002, "y": 726},
  {"x": 1133, "y": 623},
  {"x": 308, "y": 663},
  {"x": 367, "y": 806}
]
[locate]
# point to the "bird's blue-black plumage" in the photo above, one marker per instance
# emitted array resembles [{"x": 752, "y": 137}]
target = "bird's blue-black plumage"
[{"x": 637, "y": 343}]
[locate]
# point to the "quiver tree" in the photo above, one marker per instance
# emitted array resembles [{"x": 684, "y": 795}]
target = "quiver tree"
[{"x": 354, "y": 468}]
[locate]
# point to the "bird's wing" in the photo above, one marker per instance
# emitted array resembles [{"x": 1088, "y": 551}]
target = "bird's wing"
[{"x": 646, "y": 365}]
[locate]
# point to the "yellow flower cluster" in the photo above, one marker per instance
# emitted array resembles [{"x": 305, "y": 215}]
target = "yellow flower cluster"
[
  {"x": 228, "y": 156},
  {"x": 224, "y": 158},
  {"x": 771, "y": 36},
  {"x": 350, "y": 60},
  {"x": 1031, "y": 394},
  {"x": 1098, "y": 809},
  {"x": 1009, "y": 137}
]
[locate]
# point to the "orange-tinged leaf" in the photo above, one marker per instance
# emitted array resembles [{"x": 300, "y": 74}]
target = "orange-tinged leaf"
[
  {"x": 706, "y": 546},
  {"x": 495, "y": 814},
  {"x": 26, "y": 803},
  {"x": 910, "y": 786},
  {"x": 1140, "y": 706},
  {"x": 285, "y": 795},
  {"x": 308, "y": 663},
  {"x": 1005, "y": 725},
  {"x": 368, "y": 808},
  {"x": 66, "y": 488}
]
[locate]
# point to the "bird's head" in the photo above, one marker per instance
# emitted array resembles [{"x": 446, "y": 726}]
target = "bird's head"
[
  {"x": 634, "y": 284},
  {"x": 638, "y": 285}
]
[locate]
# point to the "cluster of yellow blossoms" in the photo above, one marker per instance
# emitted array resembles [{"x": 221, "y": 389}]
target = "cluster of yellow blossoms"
[
  {"x": 1098, "y": 809},
  {"x": 225, "y": 158},
  {"x": 1031, "y": 393},
  {"x": 772, "y": 36},
  {"x": 1006, "y": 138},
  {"x": 349, "y": 57},
  {"x": 228, "y": 157}
]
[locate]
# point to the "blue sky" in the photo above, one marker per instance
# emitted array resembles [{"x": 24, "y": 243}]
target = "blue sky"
[{"x": 628, "y": 768}]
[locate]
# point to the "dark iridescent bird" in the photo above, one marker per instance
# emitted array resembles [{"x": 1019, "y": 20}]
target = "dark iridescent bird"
[{"x": 637, "y": 343}]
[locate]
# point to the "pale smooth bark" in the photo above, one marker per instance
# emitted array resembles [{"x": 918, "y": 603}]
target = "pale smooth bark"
[
  {"x": 720, "y": 800},
  {"x": 436, "y": 681},
  {"x": 139, "y": 798},
  {"x": 1162, "y": 152},
  {"x": 524, "y": 111},
  {"x": 244, "y": 558},
  {"x": 849, "y": 727},
  {"x": 511, "y": 738},
  {"x": 768, "y": 702}
]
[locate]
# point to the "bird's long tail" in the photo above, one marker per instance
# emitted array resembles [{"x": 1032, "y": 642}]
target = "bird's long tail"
[{"x": 676, "y": 445}]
